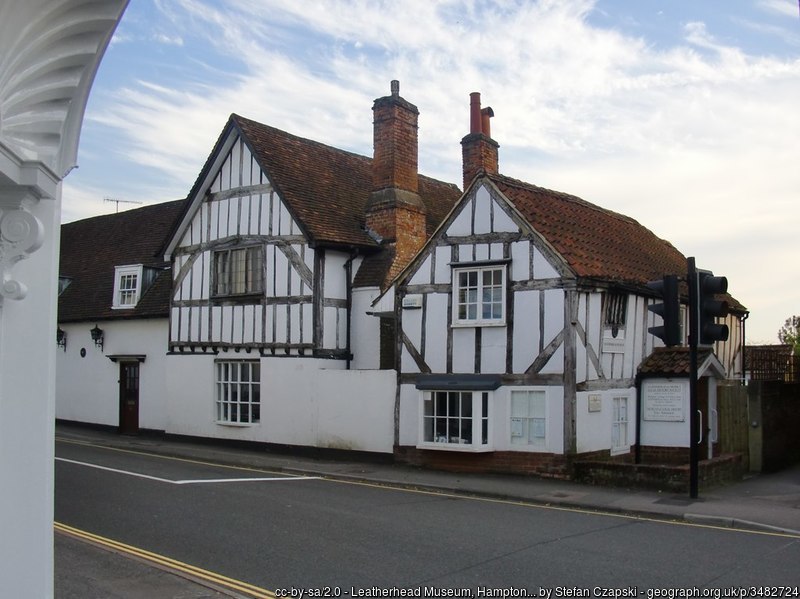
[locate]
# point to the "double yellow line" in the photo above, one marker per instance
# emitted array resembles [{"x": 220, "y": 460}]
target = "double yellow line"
[{"x": 167, "y": 562}]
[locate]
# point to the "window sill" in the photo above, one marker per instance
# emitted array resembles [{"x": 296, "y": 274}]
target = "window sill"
[
  {"x": 237, "y": 424},
  {"x": 619, "y": 450},
  {"x": 463, "y": 448},
  {"x": 478, "y": 323}
]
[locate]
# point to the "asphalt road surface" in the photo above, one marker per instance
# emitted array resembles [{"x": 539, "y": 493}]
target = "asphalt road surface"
[{"x": 279, "y": 532}]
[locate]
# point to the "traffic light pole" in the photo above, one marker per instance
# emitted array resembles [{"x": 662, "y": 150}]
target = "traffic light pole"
[{"x": 694, "y": 426}]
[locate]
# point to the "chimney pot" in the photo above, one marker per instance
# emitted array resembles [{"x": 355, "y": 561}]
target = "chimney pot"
[
  {"x": 486, "y": 127},
  {"x": 475, "y": 112},
  {"x": 395, "y": 87}
]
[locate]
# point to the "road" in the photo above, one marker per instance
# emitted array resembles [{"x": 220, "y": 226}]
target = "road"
[{"x": 277, "y": 531}]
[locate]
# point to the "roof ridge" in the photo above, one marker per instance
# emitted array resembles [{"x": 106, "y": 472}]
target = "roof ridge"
[
  {"x": 240, "y": 119},
  {"x": 124, "y": 213}
]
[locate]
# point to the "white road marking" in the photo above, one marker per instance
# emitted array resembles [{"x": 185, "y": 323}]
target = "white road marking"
[{"x": 189, "y": 482}]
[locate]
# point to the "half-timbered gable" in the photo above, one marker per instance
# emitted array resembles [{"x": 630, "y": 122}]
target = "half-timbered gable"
[
  {"x": 523, "y": 323},
  {"x": 283, "y": 245}
]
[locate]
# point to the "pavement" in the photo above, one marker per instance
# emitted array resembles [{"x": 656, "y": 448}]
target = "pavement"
[{"x": 765, "y": 502}]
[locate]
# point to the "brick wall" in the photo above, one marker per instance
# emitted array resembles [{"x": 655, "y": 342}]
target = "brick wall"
[
  {"x": 664, "y": 455},
  {"x": 395, "y": 144},
  {"x": 673, "y": 478},
  {"x": 505, "y": 462},
  {"x": 479, "y": 155}
]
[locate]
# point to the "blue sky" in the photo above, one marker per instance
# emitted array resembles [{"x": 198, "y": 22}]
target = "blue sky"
[{"x": 679, "y": 113}]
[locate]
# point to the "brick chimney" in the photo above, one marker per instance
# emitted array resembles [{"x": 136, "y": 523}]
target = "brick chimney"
[
  {"x": 394, "y": 210},
  {"x": 478, "y": 149}
]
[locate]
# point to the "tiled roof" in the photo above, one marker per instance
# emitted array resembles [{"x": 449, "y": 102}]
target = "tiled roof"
[
  {"x": 671, "y": 361},
  {"x": 93, "y": 247},
  {"x": 326, "y": 189},
  {"x": 596, "y": 243}
]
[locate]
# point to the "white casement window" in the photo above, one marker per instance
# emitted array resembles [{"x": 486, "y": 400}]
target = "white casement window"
[
  {"x": 619, "y": 425},
  {"x": 238, "y": 392},
  {"x": 529, "y": 418},
  {"x": 479, "y": 295},
  {"x": 455, "y": 420},
  {"x": 127, "y": 286},
  {"x": 238, "y": 271}
]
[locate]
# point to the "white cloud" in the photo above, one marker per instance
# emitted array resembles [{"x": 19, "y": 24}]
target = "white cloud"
[
  {"x": 698, "y": 132},
  {"x": 788, "y": 8}
]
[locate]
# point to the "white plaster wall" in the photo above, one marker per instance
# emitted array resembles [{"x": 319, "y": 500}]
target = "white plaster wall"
[
  {"x": 87, "y": 388},
  {"x": 594, "y": 428},
  {"x": 364, "y": 330},
  {"x": 304, "y": 402}
]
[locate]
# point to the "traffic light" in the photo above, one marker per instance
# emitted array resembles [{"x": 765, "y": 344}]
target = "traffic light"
[
  {"x": 709, "y": 308},
  {"x": 669, "y": 310}
]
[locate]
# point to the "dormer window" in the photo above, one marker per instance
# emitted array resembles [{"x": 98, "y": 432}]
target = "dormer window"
[
  {"x": 130, "y": 283},
  {"x": 63, "y": 283}
]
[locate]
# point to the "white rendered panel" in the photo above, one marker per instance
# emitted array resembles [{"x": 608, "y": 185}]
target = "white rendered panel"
[
  {"x": 216, "y": 323},
  {"x": 483, "y": 217},
  {"x": 423, "y": 274},
  {"x": 436, "y": 333},
  {"x": 542, "y": 269},
  {"x": 553, "y": 313},
  {"x": 462, "y": 224},
  {"x": 281, "y": 321},
  {"x": 464, "y": 350},
  {"x": 443, "y": 273},
  {"x": 502, "y": 222},
  {"x": 526, "y": 329},
  {"x": 204, "y": 330},
  {"x": 493, "y": 350},
  {"x": 482, "y": 251},
  {"x": 520, "y": 261}
]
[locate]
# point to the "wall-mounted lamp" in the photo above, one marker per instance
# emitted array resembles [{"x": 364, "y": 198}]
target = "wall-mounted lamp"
[
  {"x": 61, "y": 338},
  {"x": 97, "y": 336}
]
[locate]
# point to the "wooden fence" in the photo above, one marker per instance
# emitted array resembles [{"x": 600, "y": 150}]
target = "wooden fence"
[{"x": 734, "y": 424}]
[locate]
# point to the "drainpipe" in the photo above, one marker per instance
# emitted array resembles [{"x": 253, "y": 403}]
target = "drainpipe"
[
  {"x": 348, "y": 269},
  {"x": 637, "y": 449},
  {"x": 744, "y": 347}
]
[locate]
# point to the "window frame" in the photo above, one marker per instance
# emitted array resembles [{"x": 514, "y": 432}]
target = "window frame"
[
  {"x": 121, "y": 273},
  {"x": 540, "y": 395},
  {"x": 479, "y": 414},
  {"x": 615, "y": 312},
  {"x": 480, "y": 269},
  {"x": 616, "y": 422},
  {"x": 251, "y": 288},
  {"x": 224, "y": 384}
]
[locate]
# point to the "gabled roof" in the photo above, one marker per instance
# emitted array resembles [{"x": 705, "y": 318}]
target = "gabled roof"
[
  {"x": 93, "y": 247},
  {"x": 596, "y": 243},
  {"x": 324, "y": 188},
  {"x": 675, "y": 361}
]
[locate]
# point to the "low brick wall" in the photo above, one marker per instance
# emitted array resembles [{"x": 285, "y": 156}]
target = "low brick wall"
[
  {"x": 664, "y": 455},
  {"x": 672, "y": 478},
  {"x": 497, "y": 462}
]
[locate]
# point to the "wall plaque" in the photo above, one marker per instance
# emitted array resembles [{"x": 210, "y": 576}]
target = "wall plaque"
[{"x": 664, "y": 401}]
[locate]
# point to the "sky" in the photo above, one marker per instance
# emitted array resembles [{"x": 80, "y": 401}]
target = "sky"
[{"x": 682, "y": 114}]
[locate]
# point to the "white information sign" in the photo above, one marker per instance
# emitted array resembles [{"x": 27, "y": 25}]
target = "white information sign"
[{"x": 664, "y": 401}]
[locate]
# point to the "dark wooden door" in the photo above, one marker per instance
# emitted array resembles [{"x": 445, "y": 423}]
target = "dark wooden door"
[{"x": 129, "y": 398}]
